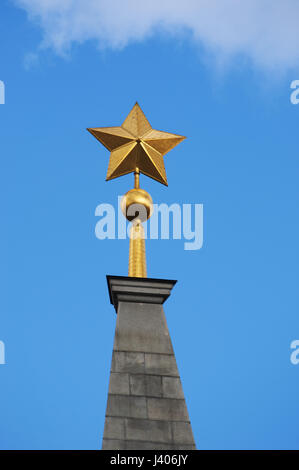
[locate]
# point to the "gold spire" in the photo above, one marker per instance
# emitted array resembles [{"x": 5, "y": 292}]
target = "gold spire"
[
  {"x": 136, "y": 147},
  {"x": 137, "y": 260}
]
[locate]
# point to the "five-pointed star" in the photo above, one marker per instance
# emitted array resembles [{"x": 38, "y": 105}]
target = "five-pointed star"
[{"x": 135, "y": 145}]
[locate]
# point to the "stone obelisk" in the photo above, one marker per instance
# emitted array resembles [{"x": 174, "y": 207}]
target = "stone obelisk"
[{"x": 146, "y": 407}]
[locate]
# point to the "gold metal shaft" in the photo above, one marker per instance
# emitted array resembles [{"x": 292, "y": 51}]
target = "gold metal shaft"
[
  {"x": 136, "y": 178},
  {"x": 137, "y": 260}
]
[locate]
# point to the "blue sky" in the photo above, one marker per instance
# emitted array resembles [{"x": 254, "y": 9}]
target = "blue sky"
[{"x": 234, "y": 311}]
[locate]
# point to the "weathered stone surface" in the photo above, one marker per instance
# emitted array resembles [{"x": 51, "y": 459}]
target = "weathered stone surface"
[
  {"x": 167, "y": 409},
  {"x": 127, "y": 406},
  {"x": 147, "y": 430},
  {"x": 127, "y": 362},
  {"x": 172, "y": 387},
  {"x": 142, "y": 327},
  {"x": 138, "y": 384},
  {"x": 113, "y": 444},
  {"x": 184, "y": 447},
  {"x": 119, "y": 383},
  {"x": 182, "y": 433},
  {"x": 154, "y": 386},
  {"x": 114, "y": 428},
  {"x": 161, "y": 364},
  {"x": 147, "y": 385},
  {"x": 143, "y": 445}
]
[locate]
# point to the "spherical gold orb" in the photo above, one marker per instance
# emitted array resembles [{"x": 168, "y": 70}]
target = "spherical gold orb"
[{"x": 137, "y": 204}]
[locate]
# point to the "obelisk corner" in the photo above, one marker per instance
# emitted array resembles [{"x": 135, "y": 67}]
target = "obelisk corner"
[{"x": 138, "y": 289}]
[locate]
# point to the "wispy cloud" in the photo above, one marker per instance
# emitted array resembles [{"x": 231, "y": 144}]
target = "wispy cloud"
[
  {"x": 30, "y": 60},
  {"x": 264, "y": 31}
]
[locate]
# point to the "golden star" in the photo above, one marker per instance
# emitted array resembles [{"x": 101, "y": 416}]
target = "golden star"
[{"x": 136, "y": 146}]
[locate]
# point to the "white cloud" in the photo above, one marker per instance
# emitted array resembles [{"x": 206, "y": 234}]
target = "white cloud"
[{"x": 265, "y": 31}]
